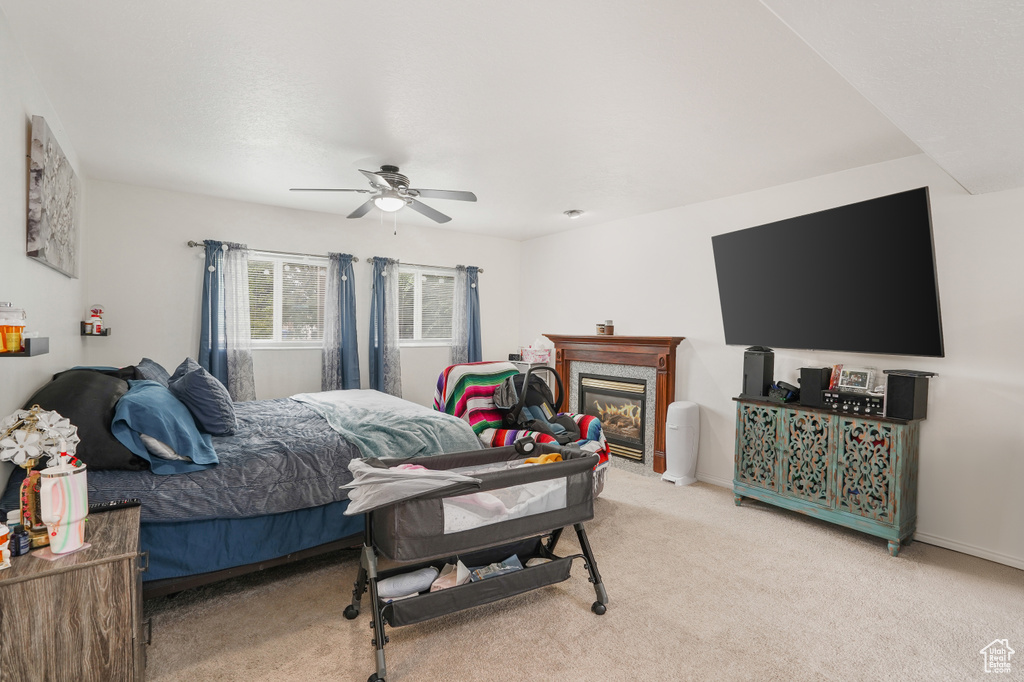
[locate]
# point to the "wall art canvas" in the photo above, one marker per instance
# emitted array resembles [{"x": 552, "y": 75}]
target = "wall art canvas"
[{"x": 52, "y": 203}]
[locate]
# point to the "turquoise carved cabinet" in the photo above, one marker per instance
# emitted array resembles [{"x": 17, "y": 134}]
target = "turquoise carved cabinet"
[{"x": 852, "y": 470}]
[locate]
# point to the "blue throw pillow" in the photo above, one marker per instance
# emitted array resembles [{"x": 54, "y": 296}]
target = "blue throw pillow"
[
  {"x": 156, "y": 426},
  {"x": 154, "y": 371},
  {"x": 205, "y": 397}
]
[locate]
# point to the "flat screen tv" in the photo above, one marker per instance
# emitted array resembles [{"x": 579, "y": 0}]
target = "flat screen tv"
[{"x": 857, "y": 278}]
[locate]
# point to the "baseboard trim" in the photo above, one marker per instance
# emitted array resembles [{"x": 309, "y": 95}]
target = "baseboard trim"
[
  {"x": 963, "y": 548},
  {"x": 715, "y": 480}
]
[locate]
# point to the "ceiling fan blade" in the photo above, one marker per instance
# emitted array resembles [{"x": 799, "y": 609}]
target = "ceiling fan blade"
[
  {"x": 446, "y": 194},
  {"x": 433, "y": 214},
  {"x": 326, "y": 189},
  {"x": 363, "y": 209},
  {"x": 376, "y": 179}
]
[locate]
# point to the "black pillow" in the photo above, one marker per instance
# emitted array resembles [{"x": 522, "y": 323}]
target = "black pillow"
[
  {"x": 87, "y": 399},
  {"x": 126, "y": 373}
]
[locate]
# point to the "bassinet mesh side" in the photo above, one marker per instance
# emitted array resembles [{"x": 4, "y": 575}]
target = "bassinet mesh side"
[{"x": 414, "y": 530}]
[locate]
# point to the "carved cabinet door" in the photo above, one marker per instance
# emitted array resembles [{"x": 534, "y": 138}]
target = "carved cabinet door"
[
  {"x": 806, "y": 456},
  {"x": 757, "y": 447},
  {"x": 865, "y": 468}
]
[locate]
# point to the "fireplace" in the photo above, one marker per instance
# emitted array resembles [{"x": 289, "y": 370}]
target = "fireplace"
[
  {"x": 620, "y": 404},
  {"x": 654, "y": 354}
]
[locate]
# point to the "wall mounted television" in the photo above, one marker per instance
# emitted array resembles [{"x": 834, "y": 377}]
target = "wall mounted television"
[{"x": 857, "y": 278}]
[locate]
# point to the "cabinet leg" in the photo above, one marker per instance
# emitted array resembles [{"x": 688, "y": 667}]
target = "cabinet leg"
[
  {"x": 894, "y": 547},
  {"x": 738, "y": 499}
]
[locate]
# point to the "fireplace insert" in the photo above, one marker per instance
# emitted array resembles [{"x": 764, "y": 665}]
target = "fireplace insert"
[{"x": 620, "y": 404}]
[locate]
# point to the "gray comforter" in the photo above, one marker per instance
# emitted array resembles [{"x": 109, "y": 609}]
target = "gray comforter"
[{"x": 283, "y": 456}]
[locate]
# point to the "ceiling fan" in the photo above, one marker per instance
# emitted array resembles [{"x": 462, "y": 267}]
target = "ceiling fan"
[{"x": 391, "y": 192}]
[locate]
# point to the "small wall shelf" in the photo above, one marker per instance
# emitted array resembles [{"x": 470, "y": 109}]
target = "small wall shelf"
[
  {"x": 33, "y": 346},
  {"x": 105, "y": 332}
]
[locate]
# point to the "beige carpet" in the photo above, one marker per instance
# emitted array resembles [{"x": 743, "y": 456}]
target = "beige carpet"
[{"x": 699, "y": 590}]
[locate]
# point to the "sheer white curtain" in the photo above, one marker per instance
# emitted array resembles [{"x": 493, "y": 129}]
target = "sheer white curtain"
[
  {"x": 241, "y": 381},
  {"x": 460, "y": 329}
]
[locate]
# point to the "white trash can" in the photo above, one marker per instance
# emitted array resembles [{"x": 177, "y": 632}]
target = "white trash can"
[{"x": 682, "y": 438}]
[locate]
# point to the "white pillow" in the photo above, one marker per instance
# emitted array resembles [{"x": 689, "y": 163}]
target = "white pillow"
[{"x": 160, "y": 449}]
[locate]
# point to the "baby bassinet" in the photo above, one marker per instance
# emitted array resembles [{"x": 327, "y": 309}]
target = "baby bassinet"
[{"x": 456, "y": 522}]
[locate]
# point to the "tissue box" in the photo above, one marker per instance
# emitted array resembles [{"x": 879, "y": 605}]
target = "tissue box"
[{"x": 537, "y": 355}]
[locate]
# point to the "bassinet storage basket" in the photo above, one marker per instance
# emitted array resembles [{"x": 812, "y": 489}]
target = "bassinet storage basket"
[{"x": 457, "y": 523}]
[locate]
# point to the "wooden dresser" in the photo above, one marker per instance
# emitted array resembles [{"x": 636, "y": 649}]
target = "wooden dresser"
[
  {"x": 79, "y": 617},
  {"x": 853, "y": 470}
]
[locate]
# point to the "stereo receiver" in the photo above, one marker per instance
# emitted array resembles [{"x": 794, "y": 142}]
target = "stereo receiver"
[{"x": 858, "y": 403}]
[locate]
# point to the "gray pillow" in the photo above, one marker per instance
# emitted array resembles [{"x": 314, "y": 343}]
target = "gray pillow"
[
  {"x": 205, "y": 397},
  {"x": 154, "y": 371}
]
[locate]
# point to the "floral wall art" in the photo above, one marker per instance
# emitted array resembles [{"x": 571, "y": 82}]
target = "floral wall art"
[{"x": 52, "y": 236}]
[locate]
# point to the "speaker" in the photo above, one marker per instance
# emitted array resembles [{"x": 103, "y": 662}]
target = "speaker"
[
  {"x": 906, "y": 394},
  {"x": 814, "y": 380},
  {"x": 758, "y": 371}
]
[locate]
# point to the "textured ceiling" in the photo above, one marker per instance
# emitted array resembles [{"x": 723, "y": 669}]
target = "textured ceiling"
[
  {"x": 949, "y": 73},
  {"x": 611, "y": 107}
]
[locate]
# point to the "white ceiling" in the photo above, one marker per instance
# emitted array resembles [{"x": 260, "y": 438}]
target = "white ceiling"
[
  {"x": 949, "y": 73},
  {"x": 615, "y": 108}
]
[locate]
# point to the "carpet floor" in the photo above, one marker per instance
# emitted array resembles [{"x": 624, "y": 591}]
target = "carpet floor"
[{"x": 699, "y": 589}]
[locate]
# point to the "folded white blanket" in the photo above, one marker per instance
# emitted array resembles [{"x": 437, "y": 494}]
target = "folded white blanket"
[{"x": 373, "y": 487}]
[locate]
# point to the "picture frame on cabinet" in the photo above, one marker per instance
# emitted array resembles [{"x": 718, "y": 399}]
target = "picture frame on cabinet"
[{"x": 856, "y": 379}]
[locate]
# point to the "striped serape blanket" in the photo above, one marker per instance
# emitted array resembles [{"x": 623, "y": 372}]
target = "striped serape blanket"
[{"x": 466, "y": 391}]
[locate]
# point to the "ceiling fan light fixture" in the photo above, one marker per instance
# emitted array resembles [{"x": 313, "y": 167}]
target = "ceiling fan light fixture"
[
  {"x": 389, "y": 201},
  {"x": 573, "y": 214}
]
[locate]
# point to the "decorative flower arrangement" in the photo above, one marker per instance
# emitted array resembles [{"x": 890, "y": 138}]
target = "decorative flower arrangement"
[{"x": 27, "y": 435}]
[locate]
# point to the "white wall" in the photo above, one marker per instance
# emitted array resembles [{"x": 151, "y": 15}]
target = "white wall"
[
  {"x": 54, "y": 302},
  {"x": 655, "y": 275},
  {"x": 151, "y": 282}
]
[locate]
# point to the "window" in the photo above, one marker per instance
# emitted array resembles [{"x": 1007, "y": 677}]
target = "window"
[
  {"x": 286, "y": 299},
  {"x": 425, "y": 298}
]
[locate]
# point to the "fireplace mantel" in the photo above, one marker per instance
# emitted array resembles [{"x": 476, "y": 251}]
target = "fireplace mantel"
[{"x": 639, "y": 351}]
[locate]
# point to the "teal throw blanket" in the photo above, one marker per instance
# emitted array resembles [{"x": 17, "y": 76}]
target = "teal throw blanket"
[{"x": 381, "y": 425}]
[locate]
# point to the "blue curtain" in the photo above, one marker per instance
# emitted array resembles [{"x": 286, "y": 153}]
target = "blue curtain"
[
  {"x": 340, "y": 362},
  {"x": 475, "y": 346},
  {"x": 385, "y": 360},
  {"x": 213, "y": 345}
]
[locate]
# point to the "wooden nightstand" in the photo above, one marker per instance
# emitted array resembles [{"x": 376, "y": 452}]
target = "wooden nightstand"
[{"x": 79, "y": 617}]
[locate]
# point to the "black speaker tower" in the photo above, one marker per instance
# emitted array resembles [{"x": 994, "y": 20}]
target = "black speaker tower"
[{"x": 758, "y": 371}]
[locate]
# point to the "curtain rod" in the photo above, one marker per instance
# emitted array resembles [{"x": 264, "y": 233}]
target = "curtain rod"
[
  {"x": 422, "y": 265},
  {"x": 355, "y": 259}
]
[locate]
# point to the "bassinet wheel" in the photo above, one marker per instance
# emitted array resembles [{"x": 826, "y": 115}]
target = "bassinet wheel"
[
  {"x": 598, "y": 608},
  {"x": 351, "y": 612},
  {"x": 374, "y": 678}
]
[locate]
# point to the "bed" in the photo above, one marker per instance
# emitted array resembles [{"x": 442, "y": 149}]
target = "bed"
[{"x": 275, "y": 495}]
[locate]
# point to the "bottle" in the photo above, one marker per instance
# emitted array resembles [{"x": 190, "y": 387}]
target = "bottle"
[
  {"x": 19, "y": 544},
  {"x": 97, "y": 324},
  {"x": 12, "y": 324},
  {"x": 5, "y": 551}
]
